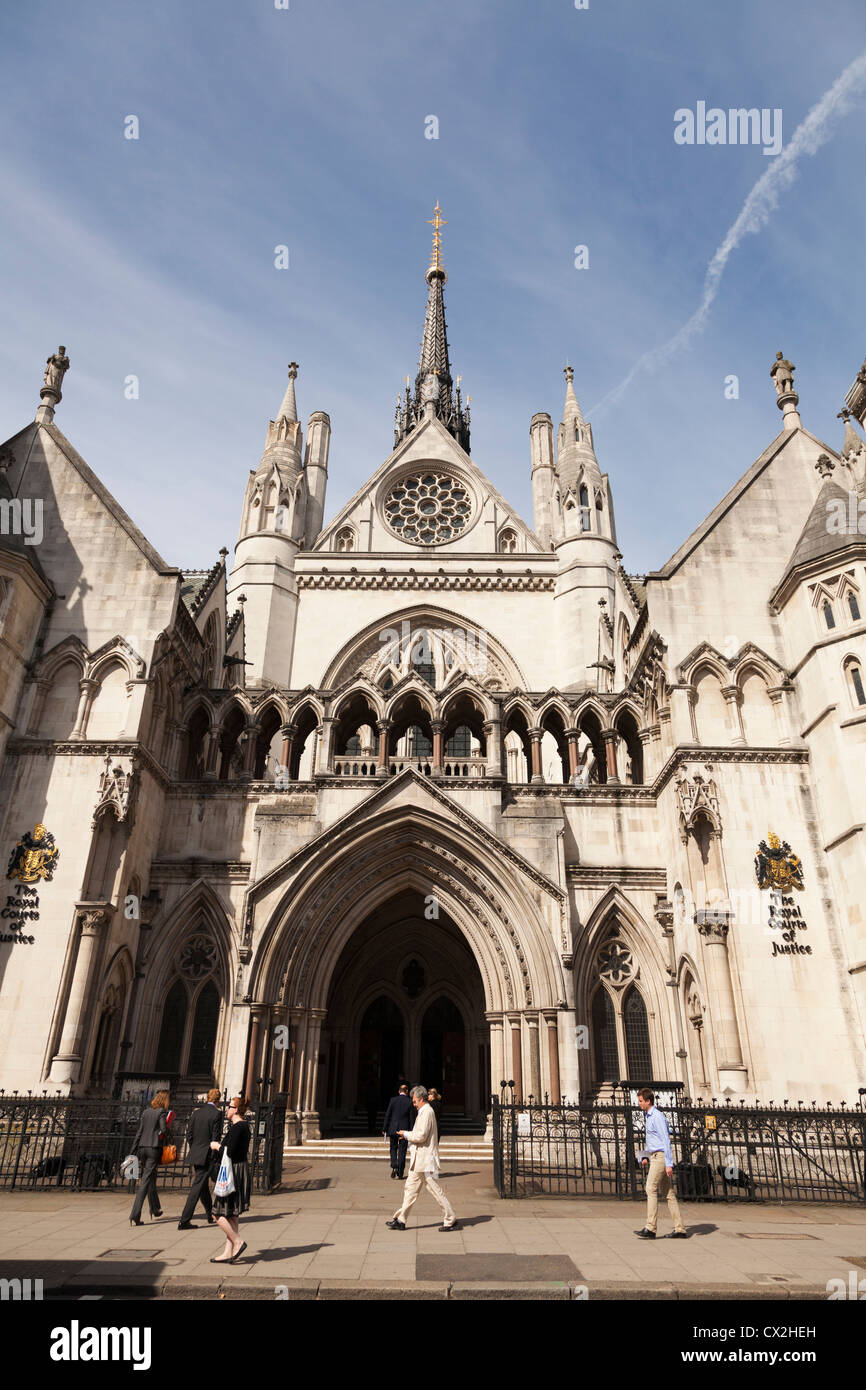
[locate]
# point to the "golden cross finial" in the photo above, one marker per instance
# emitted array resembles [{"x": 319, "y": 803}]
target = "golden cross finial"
[{"x": 437, "y": 221}]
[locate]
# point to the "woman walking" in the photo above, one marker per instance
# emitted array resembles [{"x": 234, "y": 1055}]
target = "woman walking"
[
  {"x": 152, "y": 1126},
  {"x": 227, "y": 1210}
]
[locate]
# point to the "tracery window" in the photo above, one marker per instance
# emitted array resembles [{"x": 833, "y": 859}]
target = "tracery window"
[
  {"x": 829, "y": 615},
  {"x": 429, "y": 508},
  {"x": 507, "y": 542},
  {"x": 345, "y": 539}
]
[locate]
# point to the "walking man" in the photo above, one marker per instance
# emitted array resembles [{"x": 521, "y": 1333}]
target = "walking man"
[
  {"x": 423, "y": 1165},
  {"x": 398, "y": 1116},
  {"x": 205, "y": 1126},
  {"x": 659, "y": 1163}
]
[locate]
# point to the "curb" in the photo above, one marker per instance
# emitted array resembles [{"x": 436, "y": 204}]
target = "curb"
[{"x": 316, "y": 1290}]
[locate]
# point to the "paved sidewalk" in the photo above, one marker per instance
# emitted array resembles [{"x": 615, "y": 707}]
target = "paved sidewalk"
[{"x": 324, "y": 1236}]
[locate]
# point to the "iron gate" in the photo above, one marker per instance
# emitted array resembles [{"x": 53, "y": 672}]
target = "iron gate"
[
  {"x": 721, "y": 1152},
  {"x": 78, "y": 1143}
]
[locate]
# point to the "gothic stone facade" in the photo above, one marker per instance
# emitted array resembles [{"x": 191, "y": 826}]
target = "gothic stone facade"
[{"x": 428, "y": 791}]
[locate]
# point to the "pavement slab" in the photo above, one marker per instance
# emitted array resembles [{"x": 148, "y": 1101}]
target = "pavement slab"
[{"x": 324, "y": 1237}]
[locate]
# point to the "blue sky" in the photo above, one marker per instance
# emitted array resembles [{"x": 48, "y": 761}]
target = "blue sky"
[{"x": 305, "y": 127}]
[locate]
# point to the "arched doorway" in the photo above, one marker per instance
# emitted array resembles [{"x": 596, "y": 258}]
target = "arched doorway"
[
  {"x": 380, "y": 1050},
  {"x": 443, "y": 1051},
  {"x": 406, "y": 1001}
]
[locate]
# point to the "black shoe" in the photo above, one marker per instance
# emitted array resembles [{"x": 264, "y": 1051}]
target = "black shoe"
[
  {"x": 155, "y": 1215},
  {"x": 645, "y": 1234},
  {"x": 135, "y": 1221},
  {"x": 396, "y": 1225},
  {"x": 186, "y": 1226},
  {"x": 455, "y": 1226},
  {"x": 393, "y": 1172},
  {"x": 679, "y": 1235}
]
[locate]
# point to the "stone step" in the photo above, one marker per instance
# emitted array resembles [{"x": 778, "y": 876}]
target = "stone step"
[{"x": 473, "y": 1149}]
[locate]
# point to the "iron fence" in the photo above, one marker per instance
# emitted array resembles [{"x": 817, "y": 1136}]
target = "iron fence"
[
  {"x": 79, "y": 1143},
  {"x": 722, "y": 1153}
]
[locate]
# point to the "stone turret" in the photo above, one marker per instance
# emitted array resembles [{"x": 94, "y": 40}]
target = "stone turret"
[{"x": 273, "y": 528}]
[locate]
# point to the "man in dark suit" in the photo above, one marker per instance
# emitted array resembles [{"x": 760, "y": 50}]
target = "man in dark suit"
[
  {"x": 398, "y": 1116},
  {"x": 205, "y": 1126}
]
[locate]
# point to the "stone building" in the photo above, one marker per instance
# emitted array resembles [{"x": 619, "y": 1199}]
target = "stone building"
[{"x": 428, "y": 791}]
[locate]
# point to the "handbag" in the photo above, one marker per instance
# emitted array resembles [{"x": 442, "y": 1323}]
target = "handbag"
[
  {"x": 225, "y": 1183},
  {"x": 168, "y": 1153}
]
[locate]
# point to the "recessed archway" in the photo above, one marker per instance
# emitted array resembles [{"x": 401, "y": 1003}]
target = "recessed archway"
[{"x": 406, "y": 1003}]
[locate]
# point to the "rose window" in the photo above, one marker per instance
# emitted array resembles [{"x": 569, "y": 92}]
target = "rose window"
[
  {"x": 198, "y": 957},
  {"x": 615, "y": 962},
  {"x": 428, "y": 507}
]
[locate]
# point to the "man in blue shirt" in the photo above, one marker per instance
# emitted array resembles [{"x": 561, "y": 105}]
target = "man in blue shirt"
[{"x": 659, "y": 1163}]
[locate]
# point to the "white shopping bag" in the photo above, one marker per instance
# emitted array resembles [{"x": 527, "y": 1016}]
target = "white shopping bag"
[
  {"x": 129, "y": 1168},
  {"x": 225, "y": 1182}
]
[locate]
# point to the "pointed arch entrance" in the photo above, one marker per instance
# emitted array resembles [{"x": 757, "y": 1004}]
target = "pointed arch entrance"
[
  {"x": 445, "y": 909},
  {"x": 405, "y": 1003}
]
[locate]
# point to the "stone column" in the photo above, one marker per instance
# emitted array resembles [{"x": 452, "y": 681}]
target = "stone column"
[
  {"x": 437, "y": 726},
  {"x": 248, "y": 772},
  {"x": 383, "y": 766},
  {"x": 499, "y": 1065},
  {"x": 572, "y": 736},
  {"x": 611, "y": 739},
  {"x": 88, "y": 689},
  {"x": 713, "y": 925},
  {"x": 310, "y": 1113},
  {"x": 516, "y": 1056},
  {"x": 211, "y": 770},
  {"x": 535, "y": 736},
  {"x": 664, "y": 915},
  {"x": 535, "y": 1088},
  {"x": 734, "y": 699},
  {"x": 288, "y": 732},
  {"x": 550, "y": 1019},
  {"x": 325, "y": 750},
  {"x": 783, "y": 708},
  {"x": 649, "y": 768},
  {"x": 90, "y": 926},
  {"x": 257, "y": 1016},
  {"x": 493, "y": 734},
  {"x": 682, "y": 724}
]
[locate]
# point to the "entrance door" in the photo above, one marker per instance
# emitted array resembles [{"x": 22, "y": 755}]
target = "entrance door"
[
  {"x": 443, "y": 1053},
  {"x": 380, "y": 1051}
]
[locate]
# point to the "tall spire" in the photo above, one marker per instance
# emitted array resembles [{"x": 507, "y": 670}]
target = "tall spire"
[
  {"x": 575, "y": 452},
  {"x": 433, "y": 381},
  {"x": 289, "y": 410}
]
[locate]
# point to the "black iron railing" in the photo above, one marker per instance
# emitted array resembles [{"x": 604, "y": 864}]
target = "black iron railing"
[
  {"x": 79, "y": 1143},
  {"x": 721, "y": 1153}
]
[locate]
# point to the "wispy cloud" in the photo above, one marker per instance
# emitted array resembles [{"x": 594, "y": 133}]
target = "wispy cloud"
[{"x": 810, "y": 135}]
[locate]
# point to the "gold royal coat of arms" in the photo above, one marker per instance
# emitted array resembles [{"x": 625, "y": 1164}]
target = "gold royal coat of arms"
[
  {"x": 776, "y": 866},
  {"x": 34, "y": 857}
]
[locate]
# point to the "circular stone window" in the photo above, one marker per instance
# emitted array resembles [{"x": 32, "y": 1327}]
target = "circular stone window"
[{"x": 428, "y": 508}]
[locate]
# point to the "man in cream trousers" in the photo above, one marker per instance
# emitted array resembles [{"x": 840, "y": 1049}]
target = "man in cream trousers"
[{"x": 424, "y": 1163}]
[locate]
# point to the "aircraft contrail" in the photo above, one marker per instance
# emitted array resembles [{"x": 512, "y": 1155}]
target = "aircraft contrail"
[{"x": 810, "y": 135}]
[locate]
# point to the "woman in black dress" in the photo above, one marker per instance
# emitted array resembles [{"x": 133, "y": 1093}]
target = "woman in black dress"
[
  {"x": 152, "y": 1126},
  {"x": 227, "y": 1210}
]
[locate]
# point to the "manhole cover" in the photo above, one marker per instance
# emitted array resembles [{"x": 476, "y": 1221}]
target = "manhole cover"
[
  {"x": 498, "y": 1267},
  {"x": 128, "y": 1255},
  {"x": 775, "y": 1235}
]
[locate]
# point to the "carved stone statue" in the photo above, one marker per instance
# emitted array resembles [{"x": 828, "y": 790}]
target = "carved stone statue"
[
  {"x": 782, "y": 372},
  {"x": 56, "y": 368}
]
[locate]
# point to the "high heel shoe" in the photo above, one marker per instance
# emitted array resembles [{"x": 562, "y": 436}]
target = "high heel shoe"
[{"x": 133, "y": 1221}]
